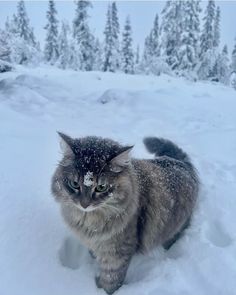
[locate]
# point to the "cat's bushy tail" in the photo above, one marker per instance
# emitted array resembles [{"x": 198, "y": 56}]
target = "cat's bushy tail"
[{"x": 163, "y": 147}]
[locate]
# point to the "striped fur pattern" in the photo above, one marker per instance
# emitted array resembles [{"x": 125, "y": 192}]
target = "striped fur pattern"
[{"x": 118, "y": 205}]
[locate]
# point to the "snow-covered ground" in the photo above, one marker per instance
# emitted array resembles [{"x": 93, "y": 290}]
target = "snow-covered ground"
[{"x": 38, "y": 254}]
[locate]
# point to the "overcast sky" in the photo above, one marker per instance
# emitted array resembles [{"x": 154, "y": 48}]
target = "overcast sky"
[{"x": 141, "y": 13}]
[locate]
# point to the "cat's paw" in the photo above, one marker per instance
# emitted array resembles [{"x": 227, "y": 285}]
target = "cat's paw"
[
  {"x": 92, "y": 254},
  {"x": 97, "y": 281},
  {"x": 108, "y": 287},
  {"x": 70, "y": 253}
]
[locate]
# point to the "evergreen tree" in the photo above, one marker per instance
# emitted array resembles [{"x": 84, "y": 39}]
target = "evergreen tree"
[
  {"x": 216, "y": 40},
  {"x": 233, "y": 63},
  {"x": 224, "y": 72},
  {"x": 14, "y": 25},
  {"x": 137, "y": 63},
  {"x": 98, "y": 56},
  {"x": 80, "y": 20},
  {"x": 115, "y": 33},
  {"x": 205, "y": 68},
  {"x": 81, "y": 32},
  {"x": 64, "y": 48},
  {"x": 220, "y": 71},
  {"x": 21, "y": 38},
  {"x": 151, "y": 54},
  {"x": 11, "y": 25},
  {"x": 5, "y": 52},
  {"x": 154, "y": 38},
  {"x": 137, "y": 55},
  {"x": 5, "y": 49},
  {"x": 21, "y": 24},
  {"x": 111, "y": 60},
  {"x": 7, "y": 24},
  {"x": 22, "y": 21},
  {"x": 208, "y": 53},
  {"x": 146, "y": 51},
  {"x": 207, "y": 36},
  {"x": 109, "y": 63},
  {"x": 233, "y": 80},
  {"x": 51, "y": 50},
  {"x": 32, "y": 38},
  {"x": 233, "y": 67},
  {"x": 171, "y": 28},
  {"x": 127, "y": 50},
  {"x": 74, "y": 58},
  {"x": 189, "y": 49}
]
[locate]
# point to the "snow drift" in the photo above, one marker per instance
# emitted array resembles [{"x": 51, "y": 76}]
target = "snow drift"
[{"x": 39, "y": 255}]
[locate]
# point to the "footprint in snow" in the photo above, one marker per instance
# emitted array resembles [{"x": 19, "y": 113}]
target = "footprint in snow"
[
  {"x": 216, "y": 234},
  {"x": 70, "y": 253}
]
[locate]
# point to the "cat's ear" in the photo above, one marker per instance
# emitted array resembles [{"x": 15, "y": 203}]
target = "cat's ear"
[
  {"x": 122, "y": 160},
  {"x": 66, "y": 143}
]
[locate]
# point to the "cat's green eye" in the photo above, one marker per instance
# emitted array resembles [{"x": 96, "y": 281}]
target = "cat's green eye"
[
  {"x": 101, "y": 188},
  {"x": 74, "y": 184}
]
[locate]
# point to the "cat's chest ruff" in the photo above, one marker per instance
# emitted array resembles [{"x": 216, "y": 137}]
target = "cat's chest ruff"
[{"x": 93, "y": 231}]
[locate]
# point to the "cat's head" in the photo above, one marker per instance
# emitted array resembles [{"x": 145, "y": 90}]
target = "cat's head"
[{"x": 94, "y": 173}]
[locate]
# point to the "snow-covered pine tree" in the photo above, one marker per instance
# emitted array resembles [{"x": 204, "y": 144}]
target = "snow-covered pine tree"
[
  {"x": 207, "y": 36},
  {"x": 205, "y": 67},
  {"x": 22, "y": 26},
  {"x": 98, "y": 56},
  {"x": 233, "y": 57},
  {"x": 7, "y": 24},
  {"x": 208, "y": 53},
  {"x": 224, "y": 71},
  {"x": 5, "y": 49},
  {"x": 220, "y": 71},
  {"x": 111, "y": 58},
  {"x": 11, "y": 25},
  {"x": 115, "y": 33},
  {"x": 14, "y": 41},
  {"x": 81, "y": 32},
  {"x": 146, "y": 54},
  {"x": 137, "y": 62},
  {"x": 137, "y": 55},
  {"x": 51, "y": 50},
  {"x": 189, "y": 47},
  {"x": 216, "y": 39},
  {"x": 127, "y": 60},
  {"x": 109, "y": 63},
  {"x": 33, "y": 41},
  {"x": 171, "y": 28},
  {"x": 233, "y": 80},
  {"x": 74, "y": 58},
  {"x": 80, "y": 20},
  {"x": 21, "y": 38},
  {"x": 5, "y": 52},
  {"x": 233, "y": 67},
  {"x": 22, "y": 20},
  {"x": 154, "y": 38},
  {"x": 152, "y": 62},
  {"x": 63, "y": 61}
]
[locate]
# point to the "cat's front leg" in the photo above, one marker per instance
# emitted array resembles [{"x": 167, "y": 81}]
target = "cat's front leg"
[
  {"x": 92, "y": 254},
  {"x": 113, "y": 269}
]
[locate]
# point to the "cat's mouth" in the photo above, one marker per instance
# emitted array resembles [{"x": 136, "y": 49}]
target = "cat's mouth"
[{"x": 88, "y": 209}]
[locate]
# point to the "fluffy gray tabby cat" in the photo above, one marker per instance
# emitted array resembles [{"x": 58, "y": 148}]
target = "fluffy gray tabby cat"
[{"x": 118, "y": 205}]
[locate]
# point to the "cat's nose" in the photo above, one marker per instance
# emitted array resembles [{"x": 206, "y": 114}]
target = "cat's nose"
[{"x": 84, "y": 203}]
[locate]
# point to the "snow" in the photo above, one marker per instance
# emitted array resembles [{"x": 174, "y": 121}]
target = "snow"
[
  {"x": 88, "y": 179},
  {"x": 38, "y": 253}
]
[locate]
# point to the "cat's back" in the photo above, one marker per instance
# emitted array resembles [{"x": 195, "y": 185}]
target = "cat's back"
[
  {"x": 165, "y": 172},
  {"x": 168, "y": 190}
]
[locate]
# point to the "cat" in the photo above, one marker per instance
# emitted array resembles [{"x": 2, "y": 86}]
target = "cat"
[{"x": 118, "y": 205}]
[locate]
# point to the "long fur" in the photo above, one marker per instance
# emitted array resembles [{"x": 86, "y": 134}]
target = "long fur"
[{"x": 148, "y": 203}]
